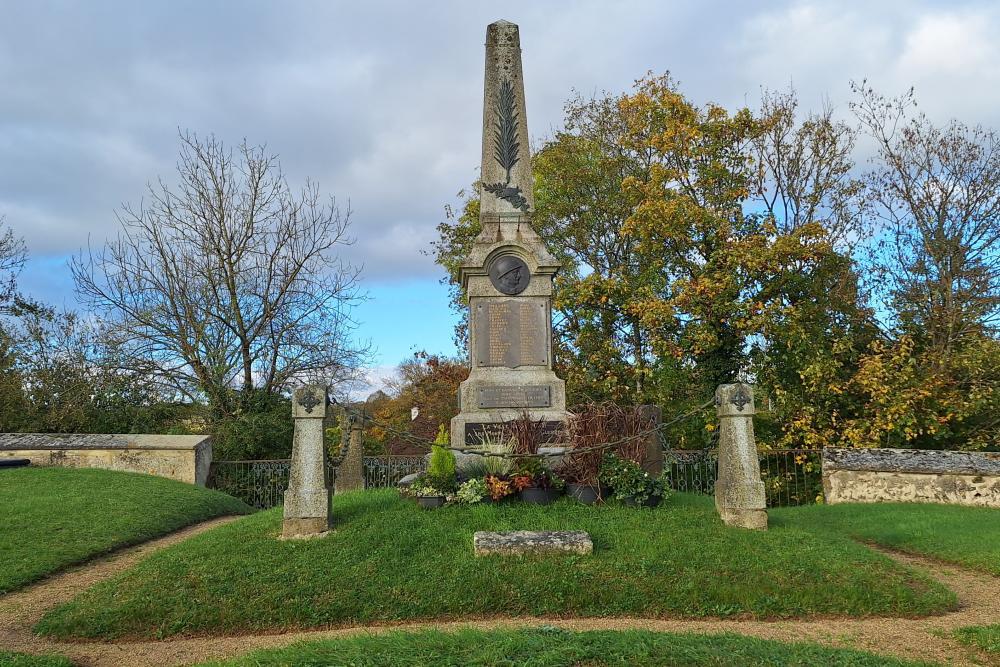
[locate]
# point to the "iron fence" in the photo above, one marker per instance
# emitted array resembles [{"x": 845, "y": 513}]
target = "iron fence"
[
  {"x": 262, "y": 484},
  {"x": 691, "y": 471},
  {"x": 386, "y": 471},
  {"x": 791, "y": 476}
]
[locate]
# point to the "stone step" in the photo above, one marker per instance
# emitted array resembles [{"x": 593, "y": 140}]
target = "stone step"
[{"x": 520, "y": 542}]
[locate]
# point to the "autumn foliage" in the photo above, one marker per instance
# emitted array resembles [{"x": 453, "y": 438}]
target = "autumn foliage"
[{"x": 701, "y": 245}]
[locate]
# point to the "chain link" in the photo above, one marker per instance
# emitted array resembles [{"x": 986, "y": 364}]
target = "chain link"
[{"x": 357, "y": 417}]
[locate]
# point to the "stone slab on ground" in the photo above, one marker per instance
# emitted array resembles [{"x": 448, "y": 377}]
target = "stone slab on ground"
[{"x": 522, "y": 542}]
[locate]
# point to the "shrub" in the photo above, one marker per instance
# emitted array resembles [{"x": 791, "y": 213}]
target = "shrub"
[
  {"x": 527, "y": 434},
  {"x": 422, "y": 487},
  {"x": 536, "y": 474},
  {"x": 628, "y": 480},
  {"x": 441, "y": 469},
  {"x": 500, "y": 464},
  {"x": 498, "y": 487},
  {"x": 622, "y": 429},
  {"x": 581, "y": 467},
  {"x": 471, "y": 491}
]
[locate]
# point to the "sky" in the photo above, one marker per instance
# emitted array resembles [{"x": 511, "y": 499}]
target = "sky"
[{"x": 381, "y": 104}]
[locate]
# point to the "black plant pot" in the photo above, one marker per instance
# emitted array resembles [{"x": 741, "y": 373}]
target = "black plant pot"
[
  {"x": 650, "y": 501},
  {"x": 539, "y": 496},
  {"x": 430, "y": 502},
  {"x": 585, "y": 493}
]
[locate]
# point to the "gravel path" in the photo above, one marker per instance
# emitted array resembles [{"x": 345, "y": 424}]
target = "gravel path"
[{"x": 922, "y": 638}]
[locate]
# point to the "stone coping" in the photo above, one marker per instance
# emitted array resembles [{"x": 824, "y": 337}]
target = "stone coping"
[
  {"x": 521, "y": 542},
  {"x": 925, "y": 461},
  {"x": 56, "y": 441}
]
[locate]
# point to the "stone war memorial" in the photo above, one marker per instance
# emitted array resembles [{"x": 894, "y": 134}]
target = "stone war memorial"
[
  {"x": 692, "y": 447},
  {"x": 508, "y": 275}
]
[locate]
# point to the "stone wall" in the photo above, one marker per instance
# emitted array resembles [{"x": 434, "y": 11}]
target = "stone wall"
[
  {"x": 911, "y": 475},
  {"x": 182, "y": 457}
]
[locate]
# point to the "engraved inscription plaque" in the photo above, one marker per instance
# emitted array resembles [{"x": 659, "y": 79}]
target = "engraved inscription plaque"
[
  {"x": 526, "y": 396},
  {"x": 511, "y": 333},
  {"x": 552, "y": 432}
]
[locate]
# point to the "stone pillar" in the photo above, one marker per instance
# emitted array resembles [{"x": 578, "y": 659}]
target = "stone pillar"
[
  {"x": 351, "y": 471},
  {"x": 652, "y": 416},
  {"x": 739, "y": 492},
  {"x": 307, "y": 500}
]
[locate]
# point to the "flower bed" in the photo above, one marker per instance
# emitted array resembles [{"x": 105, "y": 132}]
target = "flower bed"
[{"x": 603, "y": 461}]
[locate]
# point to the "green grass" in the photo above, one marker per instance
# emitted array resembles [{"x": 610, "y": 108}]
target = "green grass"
[
  {"x": 54, "y": 517},
  {"x": 391, "y": 561},
  {"x": 8, "y": 659},
  {"x": 968, "y": 536},
  {"x": 557, "y": 648},
  {"x": 985, "y": 637}
]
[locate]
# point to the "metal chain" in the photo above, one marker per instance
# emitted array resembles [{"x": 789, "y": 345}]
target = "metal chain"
[{"x": 423, "y": 442}]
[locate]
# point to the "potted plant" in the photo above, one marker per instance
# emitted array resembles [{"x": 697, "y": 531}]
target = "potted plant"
[
  {"x": 426, "y": 495},
  {"x": 472, "y": 491},
  {"x": 629, "y": 483},
  {"x": 498, "y": 487},
  {"x": 581, "y": 470},
  {"x": 535, "y": 484},
  {"x": 434, "y": 486}
]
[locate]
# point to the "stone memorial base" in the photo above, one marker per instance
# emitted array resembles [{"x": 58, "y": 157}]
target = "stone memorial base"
[
  {"x": 523, "y": 542},
  {"x": 492, "y": 396}
]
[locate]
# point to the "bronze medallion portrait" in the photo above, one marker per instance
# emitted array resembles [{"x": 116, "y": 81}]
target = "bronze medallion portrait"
[{"x": 509, "y": 274}]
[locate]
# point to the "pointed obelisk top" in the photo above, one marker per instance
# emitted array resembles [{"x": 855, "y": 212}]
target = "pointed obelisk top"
[{"x": 505, "y": 177}]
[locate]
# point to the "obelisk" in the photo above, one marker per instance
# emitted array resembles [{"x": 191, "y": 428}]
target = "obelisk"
[{"x": 508, "y": 275}]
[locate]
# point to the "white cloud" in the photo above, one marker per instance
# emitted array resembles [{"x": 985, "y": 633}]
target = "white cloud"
[{"x": 380, "y": 102}]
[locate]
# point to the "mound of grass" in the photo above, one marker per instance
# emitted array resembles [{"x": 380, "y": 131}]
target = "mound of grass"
[
  {"x": 557, "y": 648},
  {"x": 985, "y": 637},
  {"x": 391, "y": 561},
  {"x": 8, "y": 659},
  {"x": 54, "y": 517},
  {"x": 968, "y": 536}
]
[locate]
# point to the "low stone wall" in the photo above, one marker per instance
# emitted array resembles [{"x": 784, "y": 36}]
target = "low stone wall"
[
  {"x": 911, "y": 475},
  {"x": 182, "y": 457}
]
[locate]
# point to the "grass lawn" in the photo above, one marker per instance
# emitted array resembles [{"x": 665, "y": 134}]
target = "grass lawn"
[
  {"x": 967, "y": 536},
  {"x": 8, "y": 659},
  {"x": 986, "y": 637},
  {"x": 54, "y": 517},
  {"x": 557, "y": 648},
  {"x": 391, "y": 561}
]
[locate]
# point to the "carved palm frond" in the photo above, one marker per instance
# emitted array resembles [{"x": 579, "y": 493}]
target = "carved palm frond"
[{"x": 505, "y": 144}]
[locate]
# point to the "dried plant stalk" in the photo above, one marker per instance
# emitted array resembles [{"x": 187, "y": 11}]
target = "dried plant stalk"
[{"x": 527, "y": 434}]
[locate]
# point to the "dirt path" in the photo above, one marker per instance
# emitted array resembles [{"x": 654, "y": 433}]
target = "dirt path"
[{"x": 924, "y": 638}]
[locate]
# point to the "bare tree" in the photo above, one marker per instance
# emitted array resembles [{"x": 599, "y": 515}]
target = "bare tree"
[
  {"x": 936, "y": 189},
  {"x": 12, "y": 257},
  {"x": 803, "y": 169},
  {"x": 227, "y": 284}
]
